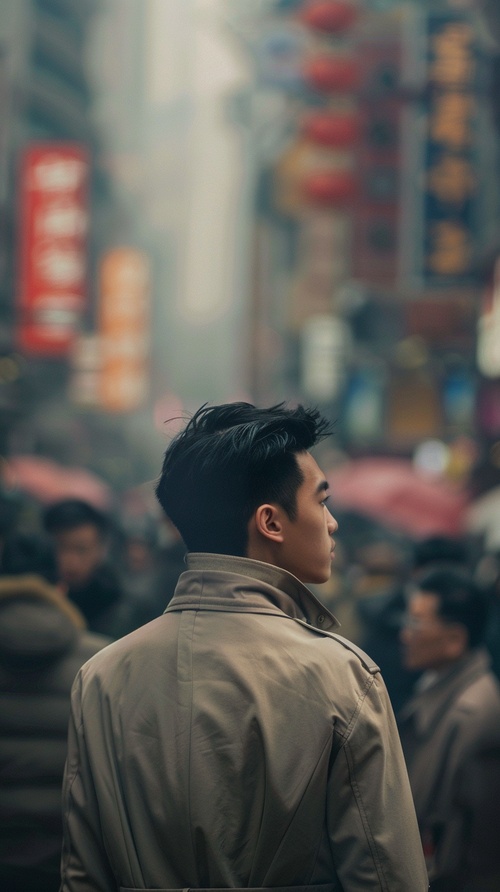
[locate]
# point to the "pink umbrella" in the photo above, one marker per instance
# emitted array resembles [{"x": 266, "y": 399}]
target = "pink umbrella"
[
  {"x": 393, "y": 492},
  {"x": 48, "y": 481}
]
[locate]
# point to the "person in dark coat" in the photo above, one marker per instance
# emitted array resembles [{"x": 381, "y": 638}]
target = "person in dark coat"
[
  {"x": 80, "y": 533},
  {"x": 142, "y": 580},
  {"x": 450, "y": 731},
  {"x": 383, "y": 610},
  {"x": 43, "y": 643}
]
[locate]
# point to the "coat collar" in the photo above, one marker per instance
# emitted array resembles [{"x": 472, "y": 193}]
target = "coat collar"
[
  {"x": 224, "y": 582},
  {"x": 427, "y": 707}
]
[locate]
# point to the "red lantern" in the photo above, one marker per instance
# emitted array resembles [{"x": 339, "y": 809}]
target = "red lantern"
[
  {"x": 332, "y": 129},
  {"x": 330, "y": 73},
  {"x": 332, "y": 16},
  {"x": 330, "y": 187}
]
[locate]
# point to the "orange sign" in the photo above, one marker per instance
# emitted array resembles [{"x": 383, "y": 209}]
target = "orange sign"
[{"x": 124, "y": 329}]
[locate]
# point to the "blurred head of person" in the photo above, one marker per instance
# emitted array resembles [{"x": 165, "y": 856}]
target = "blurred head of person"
[
  {"x": 239, "y": 480},
  {"x": 80, "y": 535},
  {"x": 29, "y": 554},
  {"x": 446, "y": 618},
  {"x": 439, "y": 550},
  {"x": 140, "y": 543}
]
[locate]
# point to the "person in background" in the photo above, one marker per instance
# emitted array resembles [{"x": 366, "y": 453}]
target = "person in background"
[
  {"x": 80, "y": 533},
  {"x": 380, "y": 593},
  {"x": 10, "y": 509},
  {"x": 43, "y": 643},
  {"x": 237, "y": 741},
  {"x": 141, "y": 577},
  {"x": 450, "y": 731}
]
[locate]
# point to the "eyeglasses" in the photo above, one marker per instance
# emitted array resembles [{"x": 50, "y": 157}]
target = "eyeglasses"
[{"x": 414, "y": 624}]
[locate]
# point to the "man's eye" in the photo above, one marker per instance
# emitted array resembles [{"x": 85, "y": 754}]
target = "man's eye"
[{"x": 325, "y": 502}]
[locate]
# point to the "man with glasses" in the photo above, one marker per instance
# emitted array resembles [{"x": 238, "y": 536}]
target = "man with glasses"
[{"x": 450, "y": 732}]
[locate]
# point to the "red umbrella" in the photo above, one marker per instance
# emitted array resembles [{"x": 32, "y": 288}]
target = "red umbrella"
[
  {"x": 48, "y": 481},
  {"x": 397, "y": 495}
]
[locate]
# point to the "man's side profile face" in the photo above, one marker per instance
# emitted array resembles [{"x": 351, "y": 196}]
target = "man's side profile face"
[
  {"x": 303, "y": 545},
  {"x": 430, "y": 641},
  {"x": 80, "y": 551}
]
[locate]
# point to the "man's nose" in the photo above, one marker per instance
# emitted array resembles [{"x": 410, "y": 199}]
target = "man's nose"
[{"x": 332, "y": 524}]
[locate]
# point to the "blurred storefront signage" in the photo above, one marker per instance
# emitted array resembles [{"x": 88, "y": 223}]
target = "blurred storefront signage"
[
  {"x": 330, "y": 188},
  {"x": 378, "y": 163},
  {"x": 279, "y": 54},
  {"x": 451, "y": 186},
  {"x": 124, "y": 329},
  {"x": 413, "y": 408},
  {"x": 339, "y": 130},
  {"x": 488, "y": 408},
  {"x": 332, "y": 73},
  {"x": 488, "y": 338},
  {"x": 322, "y": 263},
  {"x": 363, "y": 405},
  {"x": 446, "y": 225},
  {"x": 52, "y": 237},
  {"x": 86, "y": 370},
  {"x": 326, "y": 342},
  {"x": 309, "y": 173},
  {"x": 330, "y": 16},
  {"x": 315, "y": 180}
]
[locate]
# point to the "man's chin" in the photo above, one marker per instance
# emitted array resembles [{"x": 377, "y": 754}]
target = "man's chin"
[{"x": 320, "y": 579}]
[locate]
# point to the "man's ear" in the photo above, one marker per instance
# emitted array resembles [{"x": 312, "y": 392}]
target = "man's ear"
[
  {"x": 458, "y": 640},
  {"x": 268, "y": 522}
]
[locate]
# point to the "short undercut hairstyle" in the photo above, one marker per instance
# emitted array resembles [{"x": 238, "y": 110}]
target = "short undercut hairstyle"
[{"x": 227, "y": 461}]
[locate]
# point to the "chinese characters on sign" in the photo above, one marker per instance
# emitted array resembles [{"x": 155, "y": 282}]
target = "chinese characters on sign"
[
  {"x": 124, "y": 329},
  {"x": 450, "y": 158},
  {"x": 52, "y": 237}
]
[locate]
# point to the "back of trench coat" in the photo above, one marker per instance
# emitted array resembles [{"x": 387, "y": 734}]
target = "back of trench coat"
[{"x": 233, "y": 743}]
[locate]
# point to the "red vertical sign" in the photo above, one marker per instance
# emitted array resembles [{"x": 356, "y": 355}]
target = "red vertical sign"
[{"x": 53, "y": 227}]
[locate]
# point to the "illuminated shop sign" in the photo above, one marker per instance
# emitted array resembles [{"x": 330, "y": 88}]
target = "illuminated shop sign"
[
  {"x": 124, "y": 329},
  {"x": 53, "y": 218},
  {"x": 450, "y": 159}
]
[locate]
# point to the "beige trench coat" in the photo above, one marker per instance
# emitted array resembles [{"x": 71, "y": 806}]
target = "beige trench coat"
[{"x": 235, "y": 742}]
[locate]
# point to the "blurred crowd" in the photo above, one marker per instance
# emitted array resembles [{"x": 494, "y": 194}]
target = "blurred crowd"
[{"x": 427, "y": 611}]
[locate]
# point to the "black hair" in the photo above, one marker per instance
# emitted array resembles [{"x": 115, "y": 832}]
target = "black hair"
[
  {"x": 27, "y": 553},
  {"x": 439, "y": 549},
  {"x": 227, "y": 461},
  {"x": 68, "y": 514},
  {"x": 460, "y": 599}
]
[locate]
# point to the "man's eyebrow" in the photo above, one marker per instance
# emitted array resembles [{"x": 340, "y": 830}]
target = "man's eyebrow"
[{"x": 324, "y": 486}]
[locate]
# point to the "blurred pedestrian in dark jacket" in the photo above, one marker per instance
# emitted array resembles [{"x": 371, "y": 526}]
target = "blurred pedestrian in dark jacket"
[
  {"x": 381, "y": 602},
  {"x": 80, "y": 533},
  {"x": 450, "y": 731},
  {"x": 42, "y": 646},
  {"x": 141, "y": 576}
]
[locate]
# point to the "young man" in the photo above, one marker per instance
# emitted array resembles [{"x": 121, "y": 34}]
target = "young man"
[
  {"x": 236, "y": 741},
  {"x": 80, "y": 534},
  {"x": 451, "y": 732}
]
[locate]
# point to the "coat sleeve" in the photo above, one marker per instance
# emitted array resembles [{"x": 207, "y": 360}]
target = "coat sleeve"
[
  {"x": 84, "y": 864},
  {"x": 371, "y": 817}
]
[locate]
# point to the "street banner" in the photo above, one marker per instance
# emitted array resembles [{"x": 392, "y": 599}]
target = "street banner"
[
  {"x": 124, "y": 329},
  {"x": 52, "y": 247}
]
